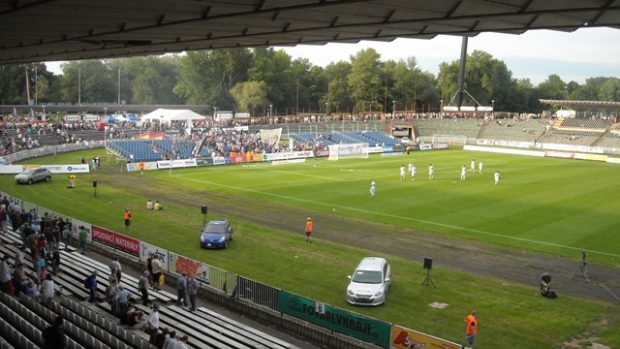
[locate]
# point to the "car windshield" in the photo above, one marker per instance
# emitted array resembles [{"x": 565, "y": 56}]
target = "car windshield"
[
  {"x": 30, "y": 171},
  {"x": 367, "y": 277},
  {"x": 215, "y": 228}
]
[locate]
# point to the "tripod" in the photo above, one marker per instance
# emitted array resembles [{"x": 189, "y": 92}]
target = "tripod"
[{"x": 428, "y": 280}]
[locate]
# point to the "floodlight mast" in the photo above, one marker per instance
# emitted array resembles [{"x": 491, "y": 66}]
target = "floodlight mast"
[{"x": 461, "y": 82}]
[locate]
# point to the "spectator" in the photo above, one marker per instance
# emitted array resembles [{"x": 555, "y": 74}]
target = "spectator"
[
  {"x": 66, "y": 236},
  {"x": 6, "y": 283},
  {"x": 83, "y": 238},
  {"x": 157, "y": 206},
  {"x": 192, "y": 291},
  {"x": 135, "y": 319},
  {"x": 156, "y": 265},
  {"x": 182, "y": 289},
  {"x": 170, "y": 340},
  {"x": 149, "y": 204},
  {"x": 91, "y": 284},
  {"x": 149, "y": 268},
  {"x": 143, "y": 286},
  {"x": 123, "y": 299},
  {"x": 152, "y": 323},
  {"x": 47, "y": 290},
  {"x": 111, "y": 295},
  {"x": 54, "y": 336},
  {"x": 115, "y": 267}
]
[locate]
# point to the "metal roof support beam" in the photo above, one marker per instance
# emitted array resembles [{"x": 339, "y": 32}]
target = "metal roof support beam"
[{"x": 461, "y": 82}]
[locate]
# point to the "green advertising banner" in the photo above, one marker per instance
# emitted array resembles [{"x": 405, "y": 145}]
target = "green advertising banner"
[{"x": 324, "y": 315}]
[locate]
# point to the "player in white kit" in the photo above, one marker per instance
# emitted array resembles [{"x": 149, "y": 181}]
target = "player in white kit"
[
  {"x": 373, "y": 188},
  {"x": 497, "y": 177},
  {"x": 413, "y": 171},
  {"x": 480, "y": 167},
  {"x": 402, "y": 172},
  {"x": 463, "y": 172},
  {"x": 431, "y": 172},
  {"x": 472, "y": 165}
]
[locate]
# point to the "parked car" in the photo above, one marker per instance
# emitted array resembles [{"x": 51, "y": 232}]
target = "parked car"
[
  {"x": 216, "y": 234},
  {"x": 32, "y": 175},
  {"x": 370, "y": 282}
]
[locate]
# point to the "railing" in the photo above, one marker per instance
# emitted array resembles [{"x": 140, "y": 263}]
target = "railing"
[{"x": 51, "y": 149}]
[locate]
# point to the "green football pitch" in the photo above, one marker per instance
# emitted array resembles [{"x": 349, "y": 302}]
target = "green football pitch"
[{"x": 552, "y": 206}]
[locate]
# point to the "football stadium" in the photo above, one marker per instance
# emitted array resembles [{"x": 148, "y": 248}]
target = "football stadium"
[{"x": 185, "y": 183}]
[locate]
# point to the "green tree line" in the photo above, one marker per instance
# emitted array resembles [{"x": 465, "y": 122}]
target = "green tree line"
[{"x": 252, "y": 80}]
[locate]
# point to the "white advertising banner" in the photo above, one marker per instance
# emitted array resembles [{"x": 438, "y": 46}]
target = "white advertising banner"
[
  {"x": 288, "y": 155},
  {"x": 79, "y": 168},
  {"x": 176, "y": 163},
  {"x": 505, "y": 150},
  {"x": 219, "y": 160},
  {"x": 148, "y": 249},
  {"x": 135, "y": 166},
  {"x": 11, "y": 169}
]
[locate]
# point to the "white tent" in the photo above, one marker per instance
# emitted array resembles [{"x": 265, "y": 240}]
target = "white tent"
[{"x": 168, "y": 115}]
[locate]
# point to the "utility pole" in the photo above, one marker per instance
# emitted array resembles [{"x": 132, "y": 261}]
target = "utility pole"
[
  {"x": 27, "y": 87},
  {"x": 297, "y": 97},
  {"x": 79, "y": 85},
  {"x": 119, "y": 85},
  {"x": 36, "y": 86}
]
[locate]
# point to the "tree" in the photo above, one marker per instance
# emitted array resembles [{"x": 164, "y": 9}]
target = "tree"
[
  {"x": 206, "y": 77},
  {"x": 552, "y": 88},
  {"x": 337, "y": 93},
  {"x": 610, "y": 90},
  {"x": 89, "y": 81},
  {"x": 250, "y": 95},
  {"x": 365, "y": 80},
  {"x": 486, "y": 79},
  {"x": 150, "y": 80}
]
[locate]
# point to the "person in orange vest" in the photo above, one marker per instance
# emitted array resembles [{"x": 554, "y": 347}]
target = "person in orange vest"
[
  {"x": 471, "y": 324},
  {"x": 308, "y": 229},
  {"x": 127, "y": 216},
  {"x": 141, "y": 167}
]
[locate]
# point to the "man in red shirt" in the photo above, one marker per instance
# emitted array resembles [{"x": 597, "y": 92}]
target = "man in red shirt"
[
  {"x": 471, "y": 324},
  {"x": 127, "y": 216},
  {"x": 308, "y": 229}
]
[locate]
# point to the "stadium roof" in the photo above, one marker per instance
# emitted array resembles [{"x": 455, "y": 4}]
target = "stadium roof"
[
  {"x": 581, "y": 103},
  {"x": 44, "y": 30}
]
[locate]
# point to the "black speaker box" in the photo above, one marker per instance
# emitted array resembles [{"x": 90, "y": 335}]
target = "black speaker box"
[
  {"x": 428, "y": 263},
  {"x": 203, "y": 209}
]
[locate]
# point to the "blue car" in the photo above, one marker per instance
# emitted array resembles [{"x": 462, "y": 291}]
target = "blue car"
[{"x": 216, "y": 234}]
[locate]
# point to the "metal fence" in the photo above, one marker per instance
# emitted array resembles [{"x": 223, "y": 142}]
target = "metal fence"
[
  {"x": 258, "y": 293},
  {"x": 51, "y": 149}
]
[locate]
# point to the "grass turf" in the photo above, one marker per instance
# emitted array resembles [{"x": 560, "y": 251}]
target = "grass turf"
[{"x": 554, "y": 206}]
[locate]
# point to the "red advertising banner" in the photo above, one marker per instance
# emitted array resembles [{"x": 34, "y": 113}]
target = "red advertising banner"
[
  {"x": 116, "y": 240},
  {"x": 191, "y": 267}
]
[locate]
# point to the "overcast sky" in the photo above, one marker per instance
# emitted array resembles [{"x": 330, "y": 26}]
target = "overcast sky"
[{"x": 535, "y": 55}]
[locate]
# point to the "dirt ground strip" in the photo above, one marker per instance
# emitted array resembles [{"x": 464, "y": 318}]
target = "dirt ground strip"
[{"x": 510, "y": 264}]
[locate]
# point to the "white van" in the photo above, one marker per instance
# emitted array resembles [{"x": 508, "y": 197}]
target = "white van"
[{"x": 370, "y": 282}]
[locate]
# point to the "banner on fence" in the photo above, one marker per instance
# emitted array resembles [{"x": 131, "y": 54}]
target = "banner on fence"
[
  {"x": 135, "y": 166},
  {"x": 354, "y": 325},
  {"x": 147, "y": 249},
  {"x": 288, "y": 155},
  {"x": 11, "y": 169},
  {"x": 176, "y": 163},
  {"x": 180, "y": 264},
  {"x": 219, "y": 160},
  {"x": 404, "y": 338},
  {"x": 116, "y": 240}
]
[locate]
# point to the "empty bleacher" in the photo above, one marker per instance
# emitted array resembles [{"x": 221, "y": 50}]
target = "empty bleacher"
[
  {"x": 440, "y": 127},
  {"x": 373, "y": 138},
  {"x": 526, "y": 130}
]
